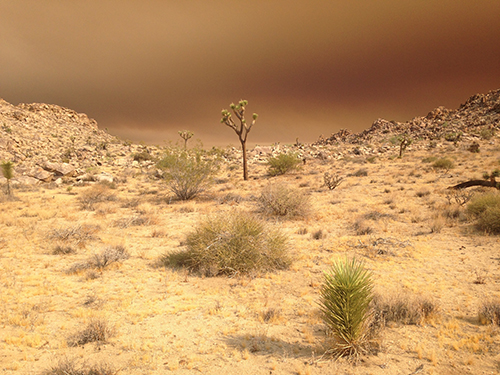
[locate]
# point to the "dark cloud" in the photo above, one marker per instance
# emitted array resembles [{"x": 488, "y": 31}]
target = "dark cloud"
[{"x": 147, "y": 69}]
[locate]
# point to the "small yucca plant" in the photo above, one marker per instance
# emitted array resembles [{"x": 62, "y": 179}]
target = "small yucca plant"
[{"x": 346, "y": 295}]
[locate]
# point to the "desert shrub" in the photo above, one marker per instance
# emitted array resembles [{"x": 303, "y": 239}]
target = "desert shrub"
[
  {"x": 362, "y": 172},
  {"x": 135, "y": 221},
  {"x": 283, "y": 163},
  {"x": 486, "y": 209},
  {"x": 280, "y": 200},
  {"x": 429, "y": 159},
  {"x": 487, "y": 133},
  {"x": 142, "y": 156},
  {"x": 63, "y": 250},
  {"x": 345, "y": 298},
  {"x": 453, "y": 136},
  {"x": 232, "y": 243},
  {"x": 422, "y": 193},
  {"x": 96, "y": 194},
  {"x": 231, "y": 198},
  {"x": 489, "y": 313},
  {"x": 102, "y": 260},
  {"x": 96, "y": 330},
  {"x": 188, "y": 172},
  {"x": 443, "y": 163},
  {"x": 78, "y": 234},
  {"x": 331, "y": 181},
  {"x": 70, "y": 367},
  {"x": 318, "y": 235},
  {"x": 362, "y": 228},
  {"x": 401, "y": 308}
]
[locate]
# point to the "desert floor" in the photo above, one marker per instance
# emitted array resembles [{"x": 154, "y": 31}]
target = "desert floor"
[{"x": 419, "y": 242}]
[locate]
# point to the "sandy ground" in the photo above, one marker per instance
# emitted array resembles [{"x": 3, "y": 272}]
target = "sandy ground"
[{"x": 169, "y": 320}]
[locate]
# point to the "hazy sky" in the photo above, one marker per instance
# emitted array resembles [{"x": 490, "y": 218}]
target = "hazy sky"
[{"x": 146, "y": 69}]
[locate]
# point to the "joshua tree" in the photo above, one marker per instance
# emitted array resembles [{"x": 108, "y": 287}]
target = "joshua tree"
[
  {"x": 186, "y": 135},
  {"x": 242, "y": 129},
  {"x": 8, "y": 173}
]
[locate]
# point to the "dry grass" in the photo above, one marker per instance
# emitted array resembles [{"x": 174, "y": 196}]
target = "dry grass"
[
  {"x": 168, "y": 319},
  {"x": 96, "y": 330},
  {"x": 71, "y": 367},
  {"x": 95, "y": 194}
]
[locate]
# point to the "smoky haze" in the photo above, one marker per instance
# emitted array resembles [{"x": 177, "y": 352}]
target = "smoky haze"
[{"x": 147, "y": 69}]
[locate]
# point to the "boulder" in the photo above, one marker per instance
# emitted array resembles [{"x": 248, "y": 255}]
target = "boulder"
[
  {"x": 41, "y": 174},
  {"x": 25, "y": 180},
  {"x": 60, "y": 169},
  {"x": 103, "y": 177}
]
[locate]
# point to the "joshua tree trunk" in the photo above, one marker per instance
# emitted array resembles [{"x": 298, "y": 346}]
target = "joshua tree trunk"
[{"x": 245, "y": 167}]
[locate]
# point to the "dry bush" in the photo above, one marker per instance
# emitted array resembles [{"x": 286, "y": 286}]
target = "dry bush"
[
  {"x": 318, "y": 235},
  {"x": 332, "y": 181},
  {"x": 63, "y": 250},
  {"x": 443, "y": 163},
  {"x": 70, "y": 367},
  {"x": 271, "y": 315},
  {"x": 362, "y": 172},
  {"x": 96, "y": 330},
  {"x": 135, "y": 221},
  {"x": 402, "y": 308},
  {"x": 489, "y": 313},
  {"x": 78, "y": 234},
  {"x": 232, "y": 243},
  {"x": 362, "y": 228},
  {"x": 100, "y": 261},
  {"x": 230, "y": 198},
  {"x": 485, "y": 208},
  {"x": 437, "y": 224},
  {"x": 96, "y": 194},
  {"x": 279, "y": 200}
]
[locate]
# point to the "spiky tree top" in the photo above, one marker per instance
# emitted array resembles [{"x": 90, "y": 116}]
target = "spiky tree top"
[{"x": 239, "y": 110}]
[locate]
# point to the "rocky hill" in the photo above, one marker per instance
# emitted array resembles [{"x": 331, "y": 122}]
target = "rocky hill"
[
  {"x": 48, "y": 141},
  {"x": 465, "y": 123}
]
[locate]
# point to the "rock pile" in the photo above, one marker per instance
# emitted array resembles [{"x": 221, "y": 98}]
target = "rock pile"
[
  {"x": 47, "y": 142},
  {"x": 479, "y": 111}
]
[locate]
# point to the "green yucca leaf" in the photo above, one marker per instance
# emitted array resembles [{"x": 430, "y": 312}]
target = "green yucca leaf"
[{"x": 345, "y": 303}]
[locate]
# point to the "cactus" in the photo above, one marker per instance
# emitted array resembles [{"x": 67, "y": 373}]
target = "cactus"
[{"x": 242, "y": 129}]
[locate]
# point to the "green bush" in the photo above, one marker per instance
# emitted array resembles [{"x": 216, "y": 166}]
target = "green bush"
[
  {"x": 283, "y": 163},
  {"x": 188, "y": 172},
  {"x": 345, "y": 298},
  {"x": 232, "y": 243},
  {"x": 279, "y": 200},
  {"x": 443, "y": 163},
  {"x": 486, "y": 209}
]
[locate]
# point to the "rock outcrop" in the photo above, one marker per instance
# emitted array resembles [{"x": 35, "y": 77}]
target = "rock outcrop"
[{"x": 480, "y": 110}]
